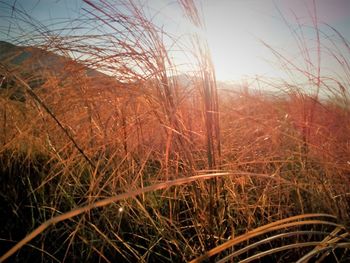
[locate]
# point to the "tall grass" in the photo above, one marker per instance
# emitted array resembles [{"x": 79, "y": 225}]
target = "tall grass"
[{"x": 139, "y": 165}]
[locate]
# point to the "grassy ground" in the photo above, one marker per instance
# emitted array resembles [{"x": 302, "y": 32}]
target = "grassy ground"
[{"x": 153, "y": 170}]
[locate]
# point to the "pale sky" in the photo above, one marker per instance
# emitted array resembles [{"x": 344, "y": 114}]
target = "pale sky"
[{"x": 233, "y": 27}]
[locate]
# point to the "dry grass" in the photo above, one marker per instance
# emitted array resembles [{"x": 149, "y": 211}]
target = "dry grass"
[{"x": 147, "y": 168}]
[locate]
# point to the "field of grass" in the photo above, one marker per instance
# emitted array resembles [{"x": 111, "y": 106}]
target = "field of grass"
[{"x": 147, "y": 167}]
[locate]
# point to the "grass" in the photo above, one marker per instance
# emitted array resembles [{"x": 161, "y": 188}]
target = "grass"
[{"x": 150, "y": 169}]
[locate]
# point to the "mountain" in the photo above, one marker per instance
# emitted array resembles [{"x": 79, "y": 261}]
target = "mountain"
[
  {"x": 37, "y": 66},
  {"x": 36, "y": 59}
]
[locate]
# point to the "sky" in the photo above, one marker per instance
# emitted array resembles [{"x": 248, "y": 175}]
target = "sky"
[{"x": 234, "y": 28}]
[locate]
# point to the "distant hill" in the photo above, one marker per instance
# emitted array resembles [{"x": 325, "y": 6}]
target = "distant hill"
[
  {"x": 33, "y": 58},
  {"x": 36, "y": 66}
]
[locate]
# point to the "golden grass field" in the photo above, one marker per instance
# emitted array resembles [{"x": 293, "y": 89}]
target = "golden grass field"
[{"x": 146, "y": 167}]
